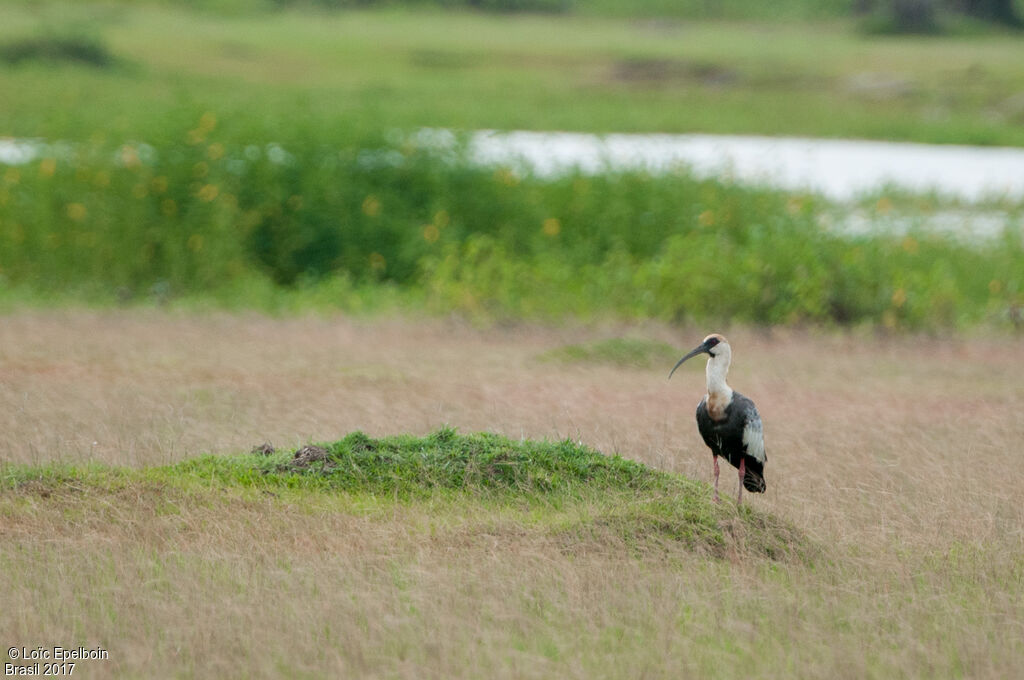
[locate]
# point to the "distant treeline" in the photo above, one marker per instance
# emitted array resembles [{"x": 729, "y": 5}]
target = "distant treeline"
[
  {"x": 895, "y": 15},
  {"x": 928, "y": 16}
]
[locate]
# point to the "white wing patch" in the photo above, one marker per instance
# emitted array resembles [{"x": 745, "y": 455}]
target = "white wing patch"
[{"x": 753, "y": 438}]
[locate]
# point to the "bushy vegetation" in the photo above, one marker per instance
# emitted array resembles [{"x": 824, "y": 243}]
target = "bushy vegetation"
[
  {"x": 271, "y": 162},
  {"x": 205, "y": 214},
  {"x": 901, "y": 15},
  {"x": 58, "y": 48}
]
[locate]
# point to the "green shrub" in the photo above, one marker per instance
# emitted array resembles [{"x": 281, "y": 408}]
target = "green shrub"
[
  {"x": 73, "y": 47},
  {"x": 202, "y": 212}
]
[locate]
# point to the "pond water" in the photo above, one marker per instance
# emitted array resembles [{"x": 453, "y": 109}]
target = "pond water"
[
  {"x": 841, "y": 170},
  {"x": 838, "y": 169}
]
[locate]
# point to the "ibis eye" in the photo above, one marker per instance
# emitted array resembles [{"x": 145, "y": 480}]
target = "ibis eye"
[{"x": 712, "y": 342}]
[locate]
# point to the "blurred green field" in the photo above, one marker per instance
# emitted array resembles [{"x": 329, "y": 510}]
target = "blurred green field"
[
  {"x": 264, "y": 160},
  {"x": 692, "y": 9},
  {"x": 399, "y": 68}
]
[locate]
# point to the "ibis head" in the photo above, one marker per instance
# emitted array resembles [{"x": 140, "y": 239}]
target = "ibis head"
[{"x": 715, "y": 346}]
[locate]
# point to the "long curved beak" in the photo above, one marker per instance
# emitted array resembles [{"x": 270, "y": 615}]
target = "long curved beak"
[{"x": 697, "y": 350}]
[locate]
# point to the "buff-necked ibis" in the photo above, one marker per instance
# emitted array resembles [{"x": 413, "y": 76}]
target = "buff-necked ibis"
[{"x": 728, "y": 421}]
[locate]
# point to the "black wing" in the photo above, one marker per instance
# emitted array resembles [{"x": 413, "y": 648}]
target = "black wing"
[{"x": 738, "y": 436}]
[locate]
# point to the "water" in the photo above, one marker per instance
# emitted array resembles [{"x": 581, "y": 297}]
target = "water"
[
  {"x": 841, "y": 170},
  {"x": 17, "y": 151},
  {"x": 838, "y": 169}
]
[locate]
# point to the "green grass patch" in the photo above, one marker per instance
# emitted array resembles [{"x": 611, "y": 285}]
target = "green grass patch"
[
  {"x": 408, "y": 68},
  {"x": 445, "y": 460},
  {"x": 564, "y": 490}
]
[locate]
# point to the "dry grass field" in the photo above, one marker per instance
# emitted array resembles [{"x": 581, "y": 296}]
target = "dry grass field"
[{"x": 900, "y": 457}]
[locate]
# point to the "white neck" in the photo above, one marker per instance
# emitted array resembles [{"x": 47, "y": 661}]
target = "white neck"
[{"x": 718, "y": 367}]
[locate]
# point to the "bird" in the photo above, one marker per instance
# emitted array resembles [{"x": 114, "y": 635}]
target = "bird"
[{"x": 727, "y": 420}]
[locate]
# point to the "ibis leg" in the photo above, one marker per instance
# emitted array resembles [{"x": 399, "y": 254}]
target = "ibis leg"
[
  {"x": 743, "y": 473},
  {"x": 714, "y": 457}
]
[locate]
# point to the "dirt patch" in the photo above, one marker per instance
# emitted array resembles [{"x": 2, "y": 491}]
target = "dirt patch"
[
  {"x": 436, "y": 59},
  {"x": 307, "y": 457},
  {"x": 34, "y": 488},
  {"x": 880, "y": 86},
  {"x": 668, "y": 71}
]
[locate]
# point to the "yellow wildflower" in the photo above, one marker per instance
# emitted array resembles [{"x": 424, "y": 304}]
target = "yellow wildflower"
[
  {"x": 207, "y": 121},
  {"x": 371, "y": 206},
  {"x": 15, "y": 233},
  {"x": 209, "y": 192},
  {"x": 129, "y": 156},
  {"x": 77, "y": 211},
  {"x": 507, "y": 177}
]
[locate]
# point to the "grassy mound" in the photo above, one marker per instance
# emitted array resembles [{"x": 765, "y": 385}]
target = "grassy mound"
[
  {"x": 414, "y": 466},
  {"x": 564, "y": 492}
]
